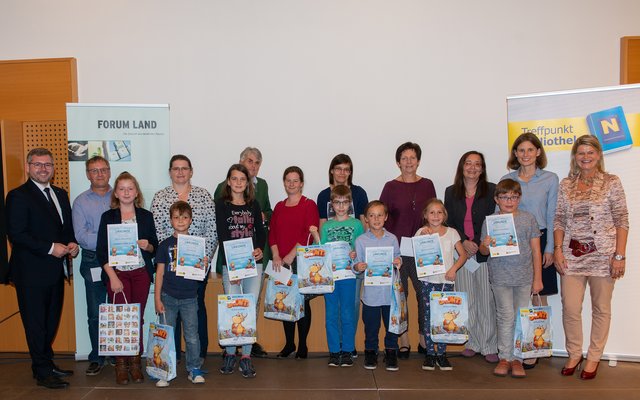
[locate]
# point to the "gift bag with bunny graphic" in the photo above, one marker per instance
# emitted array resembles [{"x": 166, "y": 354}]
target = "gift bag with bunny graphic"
[
  {"x": 283, "y": 301},
  {"x": 236, "y": 319},
  {"x": 449, "y": 317},
  {"x": 533, "y": 334},
  {"x": 398, "y": 322},
  {"x": 161, "y": 351}
]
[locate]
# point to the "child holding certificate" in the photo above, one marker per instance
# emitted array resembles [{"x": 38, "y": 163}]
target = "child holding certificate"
[
  {"x": 435, "y": 216},
  {"x": 130, "y": 282},
  {"x": 376, "y": 300},
  {"x": 176, "y": 295},
  {"x": 515, "y": 277},
  {"x": 339, "y": 305},
  {"x": 238, "y": 216}
]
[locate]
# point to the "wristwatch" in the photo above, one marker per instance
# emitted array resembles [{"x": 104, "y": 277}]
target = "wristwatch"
[{"x": 618, "y": 257}]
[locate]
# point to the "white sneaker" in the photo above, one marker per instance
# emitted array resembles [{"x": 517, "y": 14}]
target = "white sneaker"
[{"x": 162, "y": 383}]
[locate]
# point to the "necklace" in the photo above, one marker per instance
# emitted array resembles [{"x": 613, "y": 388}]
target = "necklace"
[
  {"x": 413, "y": 197},
  {"x": 587, "y": 181}
]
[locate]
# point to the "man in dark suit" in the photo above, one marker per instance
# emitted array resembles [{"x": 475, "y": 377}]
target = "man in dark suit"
[{"x": 41, "y": 234}]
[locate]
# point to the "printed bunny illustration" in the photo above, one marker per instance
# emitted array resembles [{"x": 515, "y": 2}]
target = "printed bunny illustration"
[
  {"x": 278, "y": 303},
  {"x": 449, "y": 324},
  {"x": 236, "y": 327},
  {"x": 538, "y": 340},
  {"x": 314, "y": 274}
]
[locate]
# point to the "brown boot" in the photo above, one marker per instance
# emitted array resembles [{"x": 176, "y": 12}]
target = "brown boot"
[
  {"x": 135, "y": 369},
  {"x": 122, "y": 370}
]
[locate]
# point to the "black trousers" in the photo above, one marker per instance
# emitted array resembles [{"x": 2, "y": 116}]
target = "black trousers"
[{"x": 41, "y": 309}]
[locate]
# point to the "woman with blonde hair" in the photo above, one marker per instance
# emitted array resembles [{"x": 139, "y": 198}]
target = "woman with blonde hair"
[{"x": 590, "y": 232}]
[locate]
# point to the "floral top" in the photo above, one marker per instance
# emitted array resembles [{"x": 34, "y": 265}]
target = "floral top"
[
  {"x": 204, "y": 216},
  {"x": 591, "y": 216}
]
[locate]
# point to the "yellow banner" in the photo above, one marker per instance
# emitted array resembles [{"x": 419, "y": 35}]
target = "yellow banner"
[{"x": 560, "y": 134}]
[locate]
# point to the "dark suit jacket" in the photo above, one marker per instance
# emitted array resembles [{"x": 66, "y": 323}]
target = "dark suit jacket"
[
  {"x": 32, "y": 227},
  {"x": 457, "y": 208},
  {"x": 146, "y": 230}
]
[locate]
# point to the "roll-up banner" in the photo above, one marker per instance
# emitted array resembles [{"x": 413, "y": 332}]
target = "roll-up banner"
[{"x": 134, "y": 138}]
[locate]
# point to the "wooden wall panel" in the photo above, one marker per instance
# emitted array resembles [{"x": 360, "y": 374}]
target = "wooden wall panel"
[
  {"x": 37, "y": 90},
  {"x": 53, "y": 136},
  {"x": 630, "y": 60}
]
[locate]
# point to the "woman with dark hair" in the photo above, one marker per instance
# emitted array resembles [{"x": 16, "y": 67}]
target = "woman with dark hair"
[
  {"x": 590, "y": 231},
  {"x": 203, "y": 225},
  {"x": 468, "y": 201},
  {"x": 341, "y": 173},
  {"x": 539, "y": 197},
  {"x": 131, "y": 280},
  {"x": 406, "y": 196},
  {"x": 238, "y": 215},
  {"x": 290, "y": 227}
]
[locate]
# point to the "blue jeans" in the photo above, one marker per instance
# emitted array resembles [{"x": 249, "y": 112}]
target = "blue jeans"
[
  {"x": 339, "y": 321},
  {"x": 203, "y": 333},
  {"x": 371, "y": 317},
  {"x": 425, "y": 293},
  {"x": 188, "y": 310},
  {"x": 244, "y": 286},
  {"x": 95, "y": 292},
  {"x": 508, "y": 300}
]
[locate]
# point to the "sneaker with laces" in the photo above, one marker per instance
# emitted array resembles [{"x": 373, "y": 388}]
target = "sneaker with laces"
[
  {"x": 93, "y": 369},
  {"x": 429, "y": 363},
  {"x": 391, "y": 360},
  {"x": 334, "y": 359},
  {"x": 443, "y": 363},
  {"x": 162, "y": 383},
  {"x": 345, "y": 359},
  {"x": 228, "y": 364},
  {"x": 370, "y": 359},
  {"x": 246, "y": 368},
  {"x": 354, "y": 354},
  {"x": 196, "y": 376}
]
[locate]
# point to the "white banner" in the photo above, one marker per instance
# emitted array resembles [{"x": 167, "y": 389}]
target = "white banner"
[
  {"x": 612, "y": 114},
  {"x": 134, "y": 138}
]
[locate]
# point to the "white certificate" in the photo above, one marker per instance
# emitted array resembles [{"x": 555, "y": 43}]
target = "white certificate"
[
  {"x": 191, "y": 257},
  {"x": 282, "y": 276},
  {"x": 240, "y": 261},
  {"x": 122, "y": 241},
  {"x": 502, "y": 230},
  {"x": 341, "y": 263},
  {"x": 379, "y": 266},
  {"x": 428, "y": 254}
]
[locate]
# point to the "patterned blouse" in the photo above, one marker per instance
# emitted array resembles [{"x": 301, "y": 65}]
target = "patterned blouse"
[
  {"x": 204, "y": 215},
  {"x": 592, "y": 215}
]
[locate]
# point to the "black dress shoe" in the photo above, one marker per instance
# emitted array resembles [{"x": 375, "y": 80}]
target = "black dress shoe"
[
  {"x": 53, "y": 382},
  {"x": 61, "y": 373},
  {"x": 258, "y": 351}
]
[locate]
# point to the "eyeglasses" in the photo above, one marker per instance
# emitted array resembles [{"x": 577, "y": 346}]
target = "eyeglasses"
[
  {"x": 344, "y": 170},
  {"x": 341, "y": 203},
  {"x": 96, "y": 171},
  {"x": 509, "y": 198},
  {"x": 180, "y": 169},
  {"x": 39, "y": 165}
]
